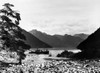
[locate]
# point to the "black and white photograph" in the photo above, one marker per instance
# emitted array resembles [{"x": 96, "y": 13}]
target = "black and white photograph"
[{"x": 49, "y": 36}]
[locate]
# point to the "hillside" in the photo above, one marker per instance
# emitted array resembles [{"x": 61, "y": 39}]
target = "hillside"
[
  {"x": 90, "y": 47},
  {"x": 34, "y": 42},
  {"x": 92, "y": 42}
]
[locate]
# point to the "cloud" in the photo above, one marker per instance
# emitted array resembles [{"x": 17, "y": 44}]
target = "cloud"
[
  {"x": 58, "y": 16},
  {"x": 79, "y": 26}
]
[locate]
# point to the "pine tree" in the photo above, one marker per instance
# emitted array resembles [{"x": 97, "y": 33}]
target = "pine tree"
[{"x": 11, "y": 36}]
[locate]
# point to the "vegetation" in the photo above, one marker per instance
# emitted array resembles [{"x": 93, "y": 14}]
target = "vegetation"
[
  {"x": 11, "y": 37},
  {"x": 66, "y": 54},
  {"x": 39, "y": 52}
]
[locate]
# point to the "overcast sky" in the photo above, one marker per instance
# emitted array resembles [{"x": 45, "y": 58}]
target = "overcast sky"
[{"x": 58, "y": 16}]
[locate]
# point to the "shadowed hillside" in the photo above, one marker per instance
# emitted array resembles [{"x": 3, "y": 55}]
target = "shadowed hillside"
[
  {"x": 91, "y": 46},
  {"x": 34, "y": 42},
  {"x": 92, "y": 42}
]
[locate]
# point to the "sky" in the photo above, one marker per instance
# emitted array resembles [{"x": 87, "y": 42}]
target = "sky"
[{"x": 58, "y": 16}]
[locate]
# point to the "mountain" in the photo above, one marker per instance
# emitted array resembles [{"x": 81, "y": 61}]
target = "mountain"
[
  {"x": 34, "y": 42},
  {"x": 92, "y": 42},
  {"x": 82, "y": 35},
  {"x": 64, "y": 41},
  {"x": 90, "y": 47}
]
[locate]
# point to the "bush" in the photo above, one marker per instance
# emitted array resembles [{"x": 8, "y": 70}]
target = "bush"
[{"x": 66, "y": 54}]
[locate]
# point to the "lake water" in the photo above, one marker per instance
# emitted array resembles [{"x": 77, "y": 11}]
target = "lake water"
[
  {"x": 55, "y": 51},
  {"x": 40, "y": 58}
]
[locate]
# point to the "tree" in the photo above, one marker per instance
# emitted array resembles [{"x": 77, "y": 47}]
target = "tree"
[{"x": 11, "y": 36}]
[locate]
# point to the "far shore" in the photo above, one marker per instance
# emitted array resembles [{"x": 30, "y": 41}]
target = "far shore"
[{"x": 56, "y": 48}]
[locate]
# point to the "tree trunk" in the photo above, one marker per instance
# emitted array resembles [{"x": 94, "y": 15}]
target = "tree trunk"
[{"x": 20, "y": 60}]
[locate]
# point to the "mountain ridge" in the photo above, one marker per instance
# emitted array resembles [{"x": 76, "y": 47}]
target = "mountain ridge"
[{"x": 67, "y": 41}]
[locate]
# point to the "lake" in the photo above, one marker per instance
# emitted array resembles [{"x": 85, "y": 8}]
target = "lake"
[
  {"x": 55, "y": 51},
  {"x": 42, "y": 57}
]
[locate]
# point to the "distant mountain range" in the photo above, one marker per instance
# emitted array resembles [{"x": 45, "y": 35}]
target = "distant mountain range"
[
  {"x": 34, "y": 42},
  {"x": 58, "y": 41}
]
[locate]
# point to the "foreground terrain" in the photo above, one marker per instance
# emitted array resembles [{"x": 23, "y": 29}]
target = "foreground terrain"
[
  {"x": 35, "y": 64},
  {"x": 56, "y": 67}
]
